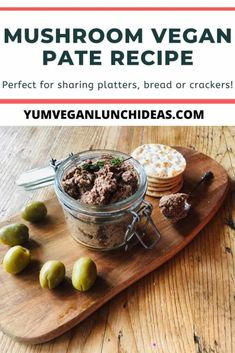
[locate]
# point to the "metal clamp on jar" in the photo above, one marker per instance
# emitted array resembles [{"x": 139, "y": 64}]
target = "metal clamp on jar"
[
  {"x": 145, "y": 212},
  {"x": 101, "y": 227}
]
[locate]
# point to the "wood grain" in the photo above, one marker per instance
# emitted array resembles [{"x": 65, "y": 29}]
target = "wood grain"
[
  {"x": 187, "y": 305},
  {"x": 33, "y": 315}
]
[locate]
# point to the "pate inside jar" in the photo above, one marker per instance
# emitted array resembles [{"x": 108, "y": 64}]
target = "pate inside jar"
[{"x": 98, "y": 218}]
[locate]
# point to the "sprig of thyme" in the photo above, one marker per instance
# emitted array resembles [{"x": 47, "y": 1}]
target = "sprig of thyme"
[
  {"x": 95, "y": 167},
  {"x": 116, "y": 161},
  {"x": 90, "y": 167}
]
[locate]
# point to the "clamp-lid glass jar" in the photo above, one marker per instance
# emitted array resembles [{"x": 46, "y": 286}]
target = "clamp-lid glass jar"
[{"x": 105, "y": 227}]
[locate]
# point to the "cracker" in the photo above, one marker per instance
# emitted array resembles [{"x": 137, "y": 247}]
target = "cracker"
[
  {"x": 160, "y": 161},
  {"x": 167, "y": 192},
  {"x": 162, "y": 188},
  {"x": 164, "y": 180},
  {"x": 165, "y": 183}
]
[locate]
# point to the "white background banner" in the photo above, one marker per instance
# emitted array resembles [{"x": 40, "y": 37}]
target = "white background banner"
[
  {"x": 211, "y": 76},
  {"x": 70, "y": 115}
]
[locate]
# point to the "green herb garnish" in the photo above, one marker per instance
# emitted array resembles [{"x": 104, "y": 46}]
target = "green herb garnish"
[
  {"x": 100, "y": 164},
  {"x": 90, "y": 167},
  {"x": 95, "y": 167},
  {"x": 116, "y": 161}
]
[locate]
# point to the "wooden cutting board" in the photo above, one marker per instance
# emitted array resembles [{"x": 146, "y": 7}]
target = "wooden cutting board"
[{"x": 34, "y": 315}]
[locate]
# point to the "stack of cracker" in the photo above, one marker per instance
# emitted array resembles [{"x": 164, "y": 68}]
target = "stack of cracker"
[{"x": 164, "y": 167}]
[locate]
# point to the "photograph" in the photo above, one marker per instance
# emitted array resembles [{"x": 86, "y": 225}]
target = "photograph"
[
  {"x": 117, "y": 176},
  {"x": 117, "y": 239}
]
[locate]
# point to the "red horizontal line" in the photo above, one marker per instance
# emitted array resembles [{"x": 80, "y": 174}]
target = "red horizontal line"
[
  {"x": 117, "y": 101},
  {"x": 117, "y": 8}
]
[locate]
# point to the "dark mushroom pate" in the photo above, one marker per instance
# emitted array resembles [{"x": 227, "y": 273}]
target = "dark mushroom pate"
[
  {"x": 101, "y": 182},
  {"x": 96, "y": 183}
]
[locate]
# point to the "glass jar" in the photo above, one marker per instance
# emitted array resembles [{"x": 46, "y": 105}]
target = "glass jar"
[{"x": 106, "y": 227}]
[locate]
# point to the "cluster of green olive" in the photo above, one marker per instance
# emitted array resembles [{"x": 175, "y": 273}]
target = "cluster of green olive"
[
  {"x": 18, "y": 233},
  {"x": 84, "y": 274},
  {"x": 52, "y": 272},
  {"x": 14, "y": 235}
]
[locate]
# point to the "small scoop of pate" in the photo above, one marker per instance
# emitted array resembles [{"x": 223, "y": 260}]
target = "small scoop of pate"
[{"x": 174, "y": 206}]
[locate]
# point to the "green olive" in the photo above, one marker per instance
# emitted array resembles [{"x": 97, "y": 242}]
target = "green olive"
[
  {"x": 14, "y": 234},
  {"x": 52, "y": 274},
  {"x": 34, "y": 212},
  {"x": 84, "y": 274},
  {"x": 16, "y": 259}
]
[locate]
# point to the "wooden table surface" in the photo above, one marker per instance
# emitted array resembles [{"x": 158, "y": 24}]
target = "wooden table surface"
[{"x": 187, "y": 305}]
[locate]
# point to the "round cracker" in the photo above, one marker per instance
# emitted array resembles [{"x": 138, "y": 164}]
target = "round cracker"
[
  {"x": 165, "y": 180},
  {"x": 164, "y": 193},
  {"x": 165, "y": 184},
  {"x": 159, "y": 189},
  {"x": 160, "y": 161}
]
